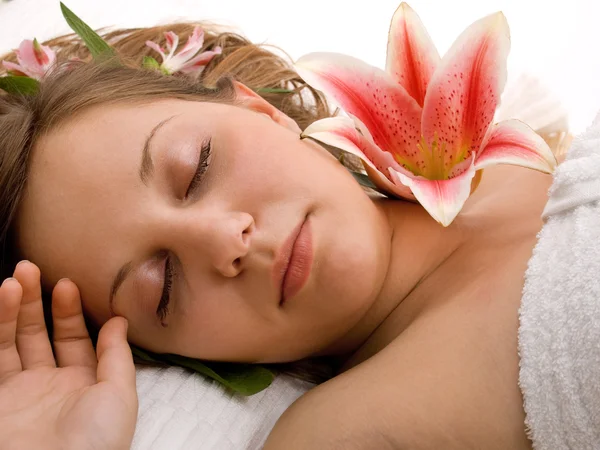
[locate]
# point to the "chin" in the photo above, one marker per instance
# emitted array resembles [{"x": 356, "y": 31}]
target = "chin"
[
  {"x": 344, "y": 296},
  {"x": 359, "y": 268}
]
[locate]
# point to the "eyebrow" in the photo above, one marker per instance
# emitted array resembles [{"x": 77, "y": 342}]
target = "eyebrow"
[
  {"x": 146, "y": 171},
  {"x": 147, "y": 166},
  {"x": 117, "y": 282}
]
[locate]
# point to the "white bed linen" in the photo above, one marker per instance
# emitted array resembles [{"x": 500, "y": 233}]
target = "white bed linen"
[{"x": 182, "y": 410}]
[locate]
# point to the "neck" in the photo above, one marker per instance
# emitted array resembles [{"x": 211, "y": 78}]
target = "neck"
[{"x": 418, "y": 246}]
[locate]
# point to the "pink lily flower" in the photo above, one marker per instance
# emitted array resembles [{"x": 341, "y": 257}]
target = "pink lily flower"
[
  {"x": 423, "y": 127},
  {"x": 35, "y": 60},
  {"x": 188, "y": 60}
]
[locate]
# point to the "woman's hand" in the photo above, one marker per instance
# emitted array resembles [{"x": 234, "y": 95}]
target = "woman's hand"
[{"x": 70, "y": 399}]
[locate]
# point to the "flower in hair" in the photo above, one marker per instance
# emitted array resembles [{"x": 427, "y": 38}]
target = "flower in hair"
[
  {"x": 423, "y": 127},
  {"x": 35, "y": 60},
  {"x": 189, "y": 59}
]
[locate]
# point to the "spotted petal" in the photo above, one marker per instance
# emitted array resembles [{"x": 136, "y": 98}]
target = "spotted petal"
[
  {"x": 392, "y": 116},
  {"x": 463, "y": 94},
  {"x": 411, "y": 56},
  {"x": 513, "y": 142},
  {"x": 343, "y": 133},
  {"x": 442, "y": 199}
]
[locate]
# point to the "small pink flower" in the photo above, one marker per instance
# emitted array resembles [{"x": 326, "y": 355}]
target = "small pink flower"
[
  {"x": 35, "y": 60},
  {"x": 188, "y": 60},
  {"x": 423, "y": 127}
]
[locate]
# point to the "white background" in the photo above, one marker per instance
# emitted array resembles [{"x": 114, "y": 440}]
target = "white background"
[{"x": 558, "y": 41}]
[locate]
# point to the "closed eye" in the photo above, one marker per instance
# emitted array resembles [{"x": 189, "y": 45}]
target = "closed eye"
[
  {"x": 163, "y": 306},
  {"x": 203, "y": 163}
]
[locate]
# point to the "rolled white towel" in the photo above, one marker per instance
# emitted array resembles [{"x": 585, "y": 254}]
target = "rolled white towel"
[{"x": 559, "y": 334}]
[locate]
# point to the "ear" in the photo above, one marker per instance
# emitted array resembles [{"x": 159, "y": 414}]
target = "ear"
[{"x": 249, "y": 99}]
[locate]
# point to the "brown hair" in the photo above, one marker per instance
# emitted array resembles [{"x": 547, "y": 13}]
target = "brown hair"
[{"x": 75, "y": 86}]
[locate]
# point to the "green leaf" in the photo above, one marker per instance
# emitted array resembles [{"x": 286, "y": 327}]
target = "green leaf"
[
  {"x": 19, "y": 85},
  {"x": 245, "y": 379},
  {"x": 97, "y": 46},
  {"x": 150, "y": 63},
  {"x": 274, "y": 91},
  {"x": 365, "y": 181}
]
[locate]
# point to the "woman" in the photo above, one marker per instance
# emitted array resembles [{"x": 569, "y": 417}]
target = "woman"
[{"x": 199, "y": 216}]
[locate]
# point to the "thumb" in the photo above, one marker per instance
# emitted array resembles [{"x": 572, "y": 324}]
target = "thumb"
[{"x": 115, "y": 362}]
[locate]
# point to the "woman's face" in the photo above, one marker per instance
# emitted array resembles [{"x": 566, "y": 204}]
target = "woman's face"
[{"x": 117, "y": 219}]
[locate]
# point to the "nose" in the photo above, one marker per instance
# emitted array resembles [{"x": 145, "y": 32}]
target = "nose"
[{"x": 229, "y": 242}]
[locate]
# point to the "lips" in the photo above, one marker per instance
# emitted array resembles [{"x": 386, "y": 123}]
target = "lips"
[{"x": 293, "y": 262}]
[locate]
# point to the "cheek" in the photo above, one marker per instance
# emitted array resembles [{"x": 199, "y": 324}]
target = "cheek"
[
  {"x": 266, "y": 155},
  {"x": 242, "y": 168},
  {"x": 230, "y": 334},
  {"x": 356, "y": 273},
  {"x": 352, "y": 266},
  {"x": 222, "y": 322},
  {"x": 353, "y": 254}
]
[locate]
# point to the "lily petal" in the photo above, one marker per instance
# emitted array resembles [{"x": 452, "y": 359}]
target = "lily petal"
[
  {"x": 198, "y": 63},
  {"x": 465, "y": 89},
  {"x": 341, "y": 132},
  {"x": 14, "y": 69},
  {"x": 442, "y": 199},
  {"x": 35, "y": 59},
  {"x": 392, "y": 116},
  {"x": 172, "y": 40},
  {"x": 28, "y": 56},
  {"x": 513, "y": 142},
  {"x": 43, "y": 55},
  {"x": 188, "y": 52},
  {"x": 411, "y": 56},
  {"x": 157, "y": 48},
  {"x": 195, "y": 41}
]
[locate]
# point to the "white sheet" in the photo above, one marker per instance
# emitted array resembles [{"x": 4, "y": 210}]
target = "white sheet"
[{"x": 182, "y": 410}]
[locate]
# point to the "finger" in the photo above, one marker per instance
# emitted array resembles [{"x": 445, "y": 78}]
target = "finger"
[
  {"x": 115, "y": 362},
  {"x": 10, "y": 299},
  {"x": 72, "y": 343},
  {"x": 32, "y": 337}
]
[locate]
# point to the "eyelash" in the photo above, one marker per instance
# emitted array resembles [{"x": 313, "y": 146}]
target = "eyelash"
[
  {"x": 203, "y": 162},
  {"x": 163, "y": 306}
]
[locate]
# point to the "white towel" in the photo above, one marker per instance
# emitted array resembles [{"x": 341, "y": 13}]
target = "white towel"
[
  {"x": 559, "y": 334},
  {"x": 181, "y": 410}
]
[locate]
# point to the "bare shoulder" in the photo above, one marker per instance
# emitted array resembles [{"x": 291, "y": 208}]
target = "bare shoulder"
[
  {"x": 340, "y": 414},
  {"x": 379, "y": 404},
  {"x": 448, "y": 381}
]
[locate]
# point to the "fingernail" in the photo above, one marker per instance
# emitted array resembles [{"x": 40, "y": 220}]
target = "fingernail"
[
  {"x": 63, "y": 279},
  {"x": 22, "y": 262},
  {"x": 8, "y": 279}
]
